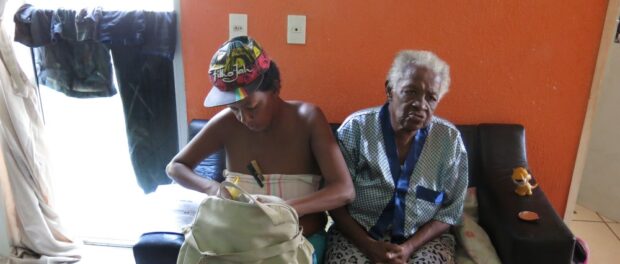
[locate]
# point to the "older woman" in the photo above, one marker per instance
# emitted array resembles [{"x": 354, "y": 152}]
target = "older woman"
[{"x": 409, "y": 169}]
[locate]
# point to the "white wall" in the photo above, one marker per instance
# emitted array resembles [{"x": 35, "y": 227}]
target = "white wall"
[
  {"x": 179, "y": 82},
  {"x": 600, "y": 186}
]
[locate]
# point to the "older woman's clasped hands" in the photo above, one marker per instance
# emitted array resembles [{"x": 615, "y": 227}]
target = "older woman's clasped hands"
[{"x": 387, "y": 252}]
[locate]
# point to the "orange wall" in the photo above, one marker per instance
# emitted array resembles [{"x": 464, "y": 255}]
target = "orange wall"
[{"x": 528, "y": 62}]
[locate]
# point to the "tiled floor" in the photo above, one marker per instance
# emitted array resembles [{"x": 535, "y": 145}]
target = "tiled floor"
[{"x": 601, "y": 234}]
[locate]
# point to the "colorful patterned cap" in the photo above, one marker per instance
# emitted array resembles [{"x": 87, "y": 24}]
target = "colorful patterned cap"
[{"x": 237, "y": 69}]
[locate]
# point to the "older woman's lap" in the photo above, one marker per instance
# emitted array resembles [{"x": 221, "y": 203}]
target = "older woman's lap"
[{"x": 340, "y": 250}]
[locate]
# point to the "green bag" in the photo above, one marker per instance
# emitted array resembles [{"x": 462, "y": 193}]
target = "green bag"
[{"x": 245, "y": 230}]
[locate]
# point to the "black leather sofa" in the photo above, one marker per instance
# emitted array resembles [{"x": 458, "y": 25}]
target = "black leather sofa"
[{"x": 493, "y": 151}]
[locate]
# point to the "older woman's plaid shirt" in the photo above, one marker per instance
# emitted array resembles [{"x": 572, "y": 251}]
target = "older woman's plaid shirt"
[{"x": 442, "y": 167}]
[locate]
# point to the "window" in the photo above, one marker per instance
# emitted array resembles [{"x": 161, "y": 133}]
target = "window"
[{"x": 95, "y": 190}]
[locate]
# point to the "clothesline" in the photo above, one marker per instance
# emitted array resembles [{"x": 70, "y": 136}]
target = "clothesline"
[{"x": 155, "y": 31}]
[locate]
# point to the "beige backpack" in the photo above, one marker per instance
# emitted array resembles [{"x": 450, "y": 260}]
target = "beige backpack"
[{"x": 245, "y": 230}]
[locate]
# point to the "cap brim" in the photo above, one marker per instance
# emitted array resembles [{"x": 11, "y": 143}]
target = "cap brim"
[{"x": 217, "y": 97}]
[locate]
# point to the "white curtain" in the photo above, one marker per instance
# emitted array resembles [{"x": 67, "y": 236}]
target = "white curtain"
[{"x": 35, "y": 232}]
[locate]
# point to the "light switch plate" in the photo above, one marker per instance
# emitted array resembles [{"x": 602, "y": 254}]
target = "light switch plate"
[
  {"x": 237, "y": 25},
  {"x": 296, "y": 30}
]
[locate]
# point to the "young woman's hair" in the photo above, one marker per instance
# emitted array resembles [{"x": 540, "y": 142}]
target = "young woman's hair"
[{"x": 271, "y": 80}]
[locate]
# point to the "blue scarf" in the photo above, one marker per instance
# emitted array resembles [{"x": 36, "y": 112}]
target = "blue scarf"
[{"x": 394, "y": 212}]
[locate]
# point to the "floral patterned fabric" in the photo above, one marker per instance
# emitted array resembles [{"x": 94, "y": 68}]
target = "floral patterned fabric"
[
  {"x": 474, "y": 245},
  {"x": 342, "y": 251}
]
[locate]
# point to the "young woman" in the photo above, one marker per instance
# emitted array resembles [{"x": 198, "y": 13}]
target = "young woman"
[{"x": 290, "y": 141}]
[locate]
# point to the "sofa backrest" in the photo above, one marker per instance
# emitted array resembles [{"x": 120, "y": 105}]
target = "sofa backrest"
[
  {"x": 489, "y": 146},
  {"x": 213, "y": 166},
  {"x": 469, "y": 135}
]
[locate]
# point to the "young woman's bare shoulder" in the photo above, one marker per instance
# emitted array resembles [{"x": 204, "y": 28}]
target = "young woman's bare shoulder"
[
  {"x": 223, "y": 116},
  {"x": 222, "y": 122},
  {"x": 308, "y": 112}
]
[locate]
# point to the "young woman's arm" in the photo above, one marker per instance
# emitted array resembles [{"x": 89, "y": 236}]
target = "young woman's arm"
[
  {"x": 206, "y": 142},
  {"x": 338, "y": 189}
]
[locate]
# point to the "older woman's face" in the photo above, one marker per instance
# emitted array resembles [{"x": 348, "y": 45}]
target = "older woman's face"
[{"x": 413, "y": 99}]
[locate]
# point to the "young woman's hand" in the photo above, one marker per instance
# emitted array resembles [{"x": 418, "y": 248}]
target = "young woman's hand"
[{"x": 222, "y": 192}]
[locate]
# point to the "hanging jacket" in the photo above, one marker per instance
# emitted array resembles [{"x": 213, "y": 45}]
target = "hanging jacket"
[
  {"x": 72, "y": 54},
  {"x": 66, "y": 61}
]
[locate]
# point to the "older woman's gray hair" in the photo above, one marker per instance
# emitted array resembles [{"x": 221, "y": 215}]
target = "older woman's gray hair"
[{"x": 407, "y": 61}]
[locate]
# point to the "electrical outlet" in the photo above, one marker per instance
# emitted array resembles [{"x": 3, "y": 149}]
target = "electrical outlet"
[
  {"x": 296, "y": 30},
  {"x": 237, "y": 25}
]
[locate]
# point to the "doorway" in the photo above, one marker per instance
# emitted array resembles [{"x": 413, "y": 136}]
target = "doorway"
[
  {"x": 596, "y": 177},
  {"x": 591, "y": 211}
]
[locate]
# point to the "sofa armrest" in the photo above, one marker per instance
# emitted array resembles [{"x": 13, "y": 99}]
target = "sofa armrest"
[{"x": 547, "y": 240}]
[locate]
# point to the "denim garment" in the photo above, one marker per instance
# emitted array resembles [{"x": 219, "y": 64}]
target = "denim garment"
[
  {"x": 146, "y": 84},
  {"x": 160, "y": 34},
  {"x": 87, "y": 24},
  {"x": 122, "y": 28},
  {"x": 77, "y": 69},
  {"x": 80, "y": 69},
  {"x": 32, "y": 26},
  {"x": 155, "y": 32}
]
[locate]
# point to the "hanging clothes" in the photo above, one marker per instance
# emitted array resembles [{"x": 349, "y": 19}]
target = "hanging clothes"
[
  {"x": 146, "y": 84},
  {"x": 36, "y": 235},
  {"x": 68, "y": 60},
  {"x": 142, "y": 45},
  {"x": 145, "y": 75}
]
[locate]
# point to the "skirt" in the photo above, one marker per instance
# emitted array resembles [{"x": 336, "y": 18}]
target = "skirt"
[{"x": 340, "y": 251}]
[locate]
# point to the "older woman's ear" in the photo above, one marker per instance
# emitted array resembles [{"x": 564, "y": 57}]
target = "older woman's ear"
[{"x": 388, "y": 90}]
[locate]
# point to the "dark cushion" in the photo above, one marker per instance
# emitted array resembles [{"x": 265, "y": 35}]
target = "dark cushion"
[
  {"x": 503, "y": 147},
  {"x": 212, "y": 166},
  {"x": 158, "y": 248},
  {"x": 334, "y": 127}
]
